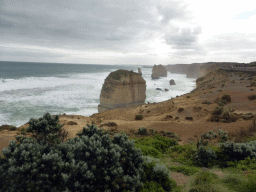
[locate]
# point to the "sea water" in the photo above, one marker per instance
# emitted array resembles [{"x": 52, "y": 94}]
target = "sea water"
[{"x": 29, "y": 90}]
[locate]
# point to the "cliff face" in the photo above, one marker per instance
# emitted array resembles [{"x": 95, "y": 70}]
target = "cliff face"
[
  {"x": 158, "y": 71},
  {"x": 121, "y": 89},
  {"x": 193, "y": 70},
  {"x": 178, "y": 68}
]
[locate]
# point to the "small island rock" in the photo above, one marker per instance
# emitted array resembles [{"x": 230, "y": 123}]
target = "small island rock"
[{"x": 172, "y": 82}]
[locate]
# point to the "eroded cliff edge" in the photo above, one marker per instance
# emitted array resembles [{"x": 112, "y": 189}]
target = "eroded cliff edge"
[{"x": 121, "y": 89}]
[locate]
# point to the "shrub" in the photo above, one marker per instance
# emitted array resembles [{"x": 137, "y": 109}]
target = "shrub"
[
  {"x": 91, "y": 162},
  {"x": 182, "y": 153},
  {"x": 138, "y": 117},
  {"x": 71, "y": 123},
  {"x": 155, "y": 146},
  {"x": 8, "y": 127},
  {"x": 206, "y": 102},
  {"x": 202, "y": 182},
  {"x": 45, "y": 129},
  {"x": 239, "y": 151},
  {"x": 180, "y": 110},
  {"x": 221, "y": 103},
  {"x": 154, "y": 171},
  {"x": 204, "y": 177},
  {"x": 226, "y": 98},
  {"x": 251, "y": 97},
  {"x": 142, "y": 131},
  {"x": 205, "y": 157}
]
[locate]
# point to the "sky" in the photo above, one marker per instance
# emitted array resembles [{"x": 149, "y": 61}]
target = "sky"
[{"x": 141, "y": 32}]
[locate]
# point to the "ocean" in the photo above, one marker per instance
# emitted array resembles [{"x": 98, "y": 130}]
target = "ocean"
[{"x": 29, "y": 90}]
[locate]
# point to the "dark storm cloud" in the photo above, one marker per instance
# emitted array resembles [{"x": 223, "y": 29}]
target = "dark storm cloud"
[{"x": 93, "y": 24}]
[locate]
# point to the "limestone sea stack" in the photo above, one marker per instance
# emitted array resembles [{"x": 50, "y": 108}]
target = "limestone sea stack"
[
  {"x": 172, "y": 82},
  {"x": 139, "y": 71},
  {"x": 158, "y": 71},
  {"x": 121, "y": 89}
]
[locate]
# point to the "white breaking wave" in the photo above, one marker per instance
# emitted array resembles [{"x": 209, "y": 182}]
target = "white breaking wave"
[{"x": 78, "y": 94}]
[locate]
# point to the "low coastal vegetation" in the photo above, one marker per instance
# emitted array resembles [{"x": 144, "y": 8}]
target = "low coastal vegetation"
[
  {"x": 43, "y": 159},
  {"x": 8, "y": 127}
]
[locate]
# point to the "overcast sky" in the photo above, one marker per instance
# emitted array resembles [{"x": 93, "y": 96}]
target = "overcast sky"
[{"x": 143, "y": 32}]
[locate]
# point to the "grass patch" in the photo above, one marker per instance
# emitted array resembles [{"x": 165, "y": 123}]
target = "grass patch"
[
  {"x": 184, "y": 169},
  {"x": 182, "y": 153},
  {"x": 154, "y": 146}
]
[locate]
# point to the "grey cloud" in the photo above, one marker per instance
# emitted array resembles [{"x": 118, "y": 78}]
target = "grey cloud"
[
  {"x": 92, "y": 24},
  {"x": 171, "y": 10},
  {"x": 234, "y": 41},
  {"x": 183, "y": 38}
]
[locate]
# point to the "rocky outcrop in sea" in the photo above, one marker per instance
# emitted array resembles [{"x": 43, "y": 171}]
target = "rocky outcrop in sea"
[
  {"x": 158, "y": 71},
  {"x": 121, "y": 89}
]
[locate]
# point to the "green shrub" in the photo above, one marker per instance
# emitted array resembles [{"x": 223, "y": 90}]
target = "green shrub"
[
  {"x": 239, "y": 151},
  {"x": 155, "y": 146},
  {"x": 154, "y": 171},
  {"x": 45, "y": 129},
  {"x": 138, "y": 117},
  {"x": 142, "y": 131},
  {"x": 204, "y": 177},
  {"x": 203, "y": 182},
  {"x": 149, "y": 150},
  {"x": 91, "y": 162},
  {"x": 205, "y": 157},
  {"x": 182, "y": 153},
  {"x": 152, "y": 186}
]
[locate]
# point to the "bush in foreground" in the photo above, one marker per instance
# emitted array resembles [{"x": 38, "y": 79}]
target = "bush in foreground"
[{"x": 93, "y": 161}]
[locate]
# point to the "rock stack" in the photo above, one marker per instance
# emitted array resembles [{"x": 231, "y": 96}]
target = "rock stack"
[
  {"x": 158, "y": 71},
  {"x": 172, "y": 82},
  {"x": 139, "y": 71},
  {"x": 121, "y": 89}
]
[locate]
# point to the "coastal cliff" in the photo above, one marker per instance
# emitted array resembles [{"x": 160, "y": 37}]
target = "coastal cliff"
[
  {"x": 121, "y": 89},
  {"x": 196, "y": 70},
  {"x": 178, "y": 68}
]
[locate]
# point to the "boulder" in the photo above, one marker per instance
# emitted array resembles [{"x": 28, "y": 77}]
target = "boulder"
[
  {"x": 139, "y": 71},
  {"x": 166, "y": 90},
  {"x": 172, "y": 82},
  {"x": 122, "y": 89},
  {"x": 158, "y": 71},
  {"x": 158, "y": 89}
]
